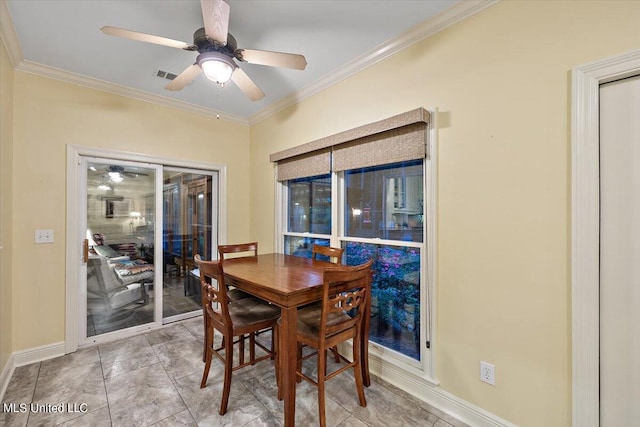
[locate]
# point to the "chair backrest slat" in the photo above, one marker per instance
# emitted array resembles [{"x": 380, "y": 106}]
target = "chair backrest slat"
[
  {"x": 327, "y": 251},
  {"x": 237, "y": 248}
]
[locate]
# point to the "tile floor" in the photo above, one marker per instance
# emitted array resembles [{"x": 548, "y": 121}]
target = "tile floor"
[{"x": 153, "y": 379}]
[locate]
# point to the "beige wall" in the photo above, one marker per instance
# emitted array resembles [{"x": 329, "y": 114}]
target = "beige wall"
[
  {"x": 50, "y": 114},
  {"x": 501, "y": 81},
  {"x": 6, "y": 149}
]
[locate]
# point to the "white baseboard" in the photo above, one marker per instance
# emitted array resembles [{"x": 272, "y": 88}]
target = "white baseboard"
[
  {"x": 5, "y": 376},
  {"x": 26, "y": 357},
  {"x": 428, "y": 391},
  {"x": 38, "y": 354}
]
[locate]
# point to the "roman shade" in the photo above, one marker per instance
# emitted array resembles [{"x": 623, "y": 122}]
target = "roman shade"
[
  {"x": 397, "y": 145},
  {"x": 305, "y": 165},
  {"x": 395, "y": 139}
]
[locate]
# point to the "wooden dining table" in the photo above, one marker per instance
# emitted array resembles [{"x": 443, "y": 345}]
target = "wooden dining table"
[{"x": 288, "y": 282}]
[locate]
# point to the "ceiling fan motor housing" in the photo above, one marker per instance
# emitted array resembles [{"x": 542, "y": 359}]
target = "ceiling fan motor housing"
[{"x": 204, "y": 44}]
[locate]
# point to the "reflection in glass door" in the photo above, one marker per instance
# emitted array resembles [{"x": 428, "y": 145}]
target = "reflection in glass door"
[
  {"x": 119, "y": 245},
  {"x": 189, "y": 210}
]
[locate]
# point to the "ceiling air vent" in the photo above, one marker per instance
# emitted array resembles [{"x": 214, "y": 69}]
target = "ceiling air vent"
[{"x": 165, "y": 75}]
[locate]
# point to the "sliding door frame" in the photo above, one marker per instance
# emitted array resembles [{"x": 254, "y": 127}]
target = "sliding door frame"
[{"x": 76, "y": 180}]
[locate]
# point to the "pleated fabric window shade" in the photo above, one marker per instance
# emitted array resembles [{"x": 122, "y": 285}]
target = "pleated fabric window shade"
[
  {"x": 305, "y": 165},
  {"x": 396, "y": 139},
  {"x": 393, "y": 146}
]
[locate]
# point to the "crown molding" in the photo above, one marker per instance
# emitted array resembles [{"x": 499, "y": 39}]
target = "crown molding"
[{"x": 454, "y": 14}]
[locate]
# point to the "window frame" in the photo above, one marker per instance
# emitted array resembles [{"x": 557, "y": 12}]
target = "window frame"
[{"x": 423, "y": 365}]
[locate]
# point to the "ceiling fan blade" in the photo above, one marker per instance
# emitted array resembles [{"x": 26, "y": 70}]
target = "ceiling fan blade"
[
  {"x": 246, "y": 85},
  {"x": 134, "y": 174},
  {"x": 134, "y": 35},
  {"x": 273, "y": 59},
  {"x": 215, "y": 14},
  {"x": 184, "y": 78}
]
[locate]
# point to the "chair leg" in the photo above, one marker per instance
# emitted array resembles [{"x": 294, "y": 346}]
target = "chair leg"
[
  {"x": 357, "y": 371},
  {"x": 276, "y": 361},
  {"x": 274, "y": 342},
  {"x": 322, "y": 364},
  {"x": 299, "y": 362},
  {"x": 240, "y": 349},
  {"x": 204, "y": 350},
  {"x": 207, "y": 365},
  {"x": 228, "y": 368},
  {"x": 252, "y": 347},
  {"x": 336, "y": 355}
]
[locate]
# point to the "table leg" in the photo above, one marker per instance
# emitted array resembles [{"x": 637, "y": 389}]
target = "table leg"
[{"x": 288, "y": 346}]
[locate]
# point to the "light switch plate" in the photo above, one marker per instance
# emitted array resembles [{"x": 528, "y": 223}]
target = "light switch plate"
[{"x": 44, "y": 236}]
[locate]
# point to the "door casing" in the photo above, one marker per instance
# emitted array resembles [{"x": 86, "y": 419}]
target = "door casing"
[{"x": 585, "y": 227}]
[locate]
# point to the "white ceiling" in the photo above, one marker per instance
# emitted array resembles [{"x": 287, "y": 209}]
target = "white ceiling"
[{"x": 336, "y": 37}]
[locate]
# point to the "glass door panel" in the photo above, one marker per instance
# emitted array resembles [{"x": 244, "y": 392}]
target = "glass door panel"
[
  {"x": 120, "y": 242},
  {"x": 189, "y": 212}
]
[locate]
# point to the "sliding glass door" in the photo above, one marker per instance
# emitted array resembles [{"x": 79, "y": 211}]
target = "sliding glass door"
[
  {"x": 119, "y": 246},
  {"x": 143, "y": 224}
]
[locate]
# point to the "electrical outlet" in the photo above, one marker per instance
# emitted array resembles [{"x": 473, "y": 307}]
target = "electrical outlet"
[
  {"x": 44, "y": 236},
  {"x": 487, "y": 373}
]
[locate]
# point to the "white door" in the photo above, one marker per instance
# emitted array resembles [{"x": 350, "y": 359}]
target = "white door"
[{"x": 620, "y": 253}]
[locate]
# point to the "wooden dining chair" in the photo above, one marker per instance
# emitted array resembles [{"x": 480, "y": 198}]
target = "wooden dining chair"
[
  {"x": 334, "y": 255},
  {"x": 231, "y": 319},
  {"x": 234, "y": 295},
  {"x": 242, "y": 250},
  {"x": 338, "y": 319}
]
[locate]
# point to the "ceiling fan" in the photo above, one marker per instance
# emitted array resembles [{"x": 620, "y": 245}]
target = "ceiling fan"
[
  {"x": 217, "y": 50},
  {"x": 115, "y": 173}
]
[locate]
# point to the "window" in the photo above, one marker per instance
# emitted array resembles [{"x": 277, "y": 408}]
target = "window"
[
  {"x": 308, "y": 214},
  {"x": 301, "y": 246},
  {"x": 310, "y": 205},
  {"x": 385, "y": 202},
  {"x": 383, "y": 209},
  {"x": 382, "y": 220},
  {"x": 395, "y": 294}
]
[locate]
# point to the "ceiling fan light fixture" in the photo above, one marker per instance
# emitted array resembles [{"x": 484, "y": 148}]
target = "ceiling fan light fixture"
[
  {"x": 115, "y": 177},
  {"x": 216, "y": 66}
]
